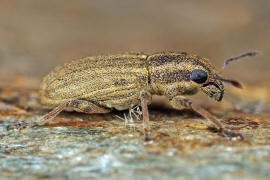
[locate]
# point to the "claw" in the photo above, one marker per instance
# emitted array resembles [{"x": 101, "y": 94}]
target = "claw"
[
  {"x": 147, "y": 136},
  {"x": 226, "y": 133},
  {"x": 19, "y": 126},
  {"x": 232, "y": 134}
]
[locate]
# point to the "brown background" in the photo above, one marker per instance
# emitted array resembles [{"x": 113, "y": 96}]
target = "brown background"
[{"x": 35, "y": 35}]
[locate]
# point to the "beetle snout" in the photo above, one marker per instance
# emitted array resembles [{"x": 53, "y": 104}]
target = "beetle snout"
[{"x": 214, "y": 90}]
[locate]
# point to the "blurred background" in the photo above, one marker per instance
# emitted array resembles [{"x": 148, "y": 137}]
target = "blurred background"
[{"x": 36, "y": 35}]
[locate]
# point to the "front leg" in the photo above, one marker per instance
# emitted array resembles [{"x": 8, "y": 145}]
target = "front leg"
[{"x": 180, "y": 102}]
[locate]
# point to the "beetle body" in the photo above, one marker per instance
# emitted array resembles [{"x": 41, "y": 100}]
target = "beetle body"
[
  {"x": 116, "y": 81},
  {"x": 99, "y": 84}
]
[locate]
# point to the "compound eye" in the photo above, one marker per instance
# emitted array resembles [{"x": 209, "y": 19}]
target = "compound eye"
[{"x": 199, "y": 76}]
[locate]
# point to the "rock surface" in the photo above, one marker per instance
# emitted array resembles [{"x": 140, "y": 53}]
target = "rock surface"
[{"x": 183, "y": 145}]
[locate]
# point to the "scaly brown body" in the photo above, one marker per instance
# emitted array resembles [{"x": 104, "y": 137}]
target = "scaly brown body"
[
  {"x": 116, "y": 81},
  {"x": 99, "y": 84}
]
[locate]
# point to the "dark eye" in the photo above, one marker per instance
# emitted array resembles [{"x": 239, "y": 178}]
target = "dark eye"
[{"x": 199, "y": 76}]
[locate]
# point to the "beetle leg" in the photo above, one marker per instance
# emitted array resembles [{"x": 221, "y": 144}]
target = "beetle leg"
[
  {"x": 77, "y": 105},
  {"x": 87, "y": 107},
  {"x": 180, "y": 102},
  {"x": 145, "y": 100}
]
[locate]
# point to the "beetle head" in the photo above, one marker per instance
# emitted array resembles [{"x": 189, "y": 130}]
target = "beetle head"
[
  {"x": 203, "y": 75},
  {"x": 210, "y": 81}
]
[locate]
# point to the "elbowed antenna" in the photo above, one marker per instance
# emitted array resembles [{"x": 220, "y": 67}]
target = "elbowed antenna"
[{"x": 227, "y": 61}]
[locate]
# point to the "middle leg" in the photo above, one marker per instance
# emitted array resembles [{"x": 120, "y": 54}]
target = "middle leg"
[{"x": 145, "y": 100}]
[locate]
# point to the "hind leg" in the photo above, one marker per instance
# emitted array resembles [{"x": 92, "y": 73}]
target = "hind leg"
[
  {"x": 74, "y": 105},
  {"x": 77, "y": 105}
]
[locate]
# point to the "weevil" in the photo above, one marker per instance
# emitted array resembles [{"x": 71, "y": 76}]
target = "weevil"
[{"x": 102, "y": 83}]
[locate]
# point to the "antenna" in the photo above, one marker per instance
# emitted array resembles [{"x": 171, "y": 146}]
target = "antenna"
[
  {"x": 232, "y": 82},
  {"x": 227, "y": 61}
]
